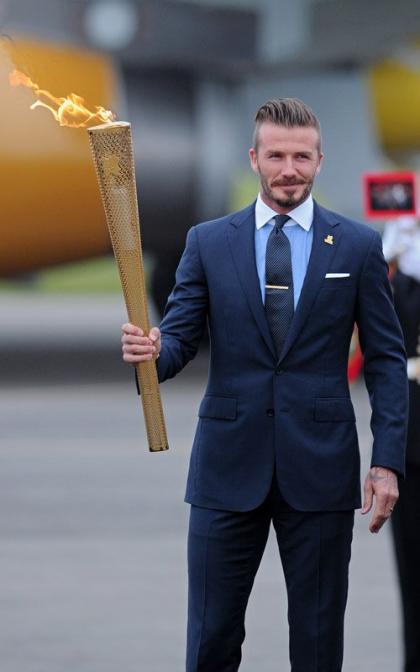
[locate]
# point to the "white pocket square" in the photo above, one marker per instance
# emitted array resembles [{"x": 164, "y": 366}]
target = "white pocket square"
[{"x": 337, "y": 275}]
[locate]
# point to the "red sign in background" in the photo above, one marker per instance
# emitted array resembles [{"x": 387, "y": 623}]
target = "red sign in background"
[{"x": 389, "y": 195}]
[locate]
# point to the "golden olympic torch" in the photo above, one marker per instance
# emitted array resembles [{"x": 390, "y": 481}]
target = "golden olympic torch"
[{"x": 112, "y": 150}]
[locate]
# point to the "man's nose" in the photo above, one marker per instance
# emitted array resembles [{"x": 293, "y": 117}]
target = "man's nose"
[{"x": 288, "y": 168}]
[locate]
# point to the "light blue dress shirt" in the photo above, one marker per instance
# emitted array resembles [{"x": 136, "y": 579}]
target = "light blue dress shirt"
[{"x": 299, "y": 231}]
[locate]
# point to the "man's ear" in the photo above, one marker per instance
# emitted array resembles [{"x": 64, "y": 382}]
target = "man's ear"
[
  {"x": 321, "y": 157},
  {"x": 253, "y": 160}
]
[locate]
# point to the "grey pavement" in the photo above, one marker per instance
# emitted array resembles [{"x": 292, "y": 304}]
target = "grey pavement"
[{"x": 93, "y": 526}]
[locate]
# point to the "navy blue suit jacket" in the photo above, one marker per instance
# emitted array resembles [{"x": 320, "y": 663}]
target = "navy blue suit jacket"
[{"x": 291, "y": 414}]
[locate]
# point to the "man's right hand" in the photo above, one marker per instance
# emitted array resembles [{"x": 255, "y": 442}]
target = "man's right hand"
[{"x": 137, "y": 347}]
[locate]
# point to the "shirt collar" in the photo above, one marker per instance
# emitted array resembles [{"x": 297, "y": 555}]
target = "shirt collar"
[{"x": 303, "y": 214}]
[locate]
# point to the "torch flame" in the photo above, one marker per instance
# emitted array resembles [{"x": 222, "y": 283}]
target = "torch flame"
[{"x": 69, "y": 111}]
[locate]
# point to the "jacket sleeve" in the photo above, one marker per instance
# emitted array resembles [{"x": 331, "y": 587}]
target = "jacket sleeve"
[
  {"x": 185, "y": 314},
  {"x": 385, "y": 365}
]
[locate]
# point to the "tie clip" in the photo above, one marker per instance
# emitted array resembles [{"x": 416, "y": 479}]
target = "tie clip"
[{"x": 276, "y": 287}]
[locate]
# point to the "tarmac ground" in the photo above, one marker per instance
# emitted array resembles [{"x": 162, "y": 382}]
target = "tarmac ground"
[{"x": 93, "y": 526}]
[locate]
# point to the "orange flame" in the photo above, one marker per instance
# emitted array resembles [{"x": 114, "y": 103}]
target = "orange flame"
[{"x": 69, "y": 111}]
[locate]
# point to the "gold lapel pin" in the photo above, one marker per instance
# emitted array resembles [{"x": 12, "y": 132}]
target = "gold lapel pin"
[{"x": 329, "y": 239}]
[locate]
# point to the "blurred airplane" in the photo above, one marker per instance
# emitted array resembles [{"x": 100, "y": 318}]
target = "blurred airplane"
[{"x": 51, "y": 211}]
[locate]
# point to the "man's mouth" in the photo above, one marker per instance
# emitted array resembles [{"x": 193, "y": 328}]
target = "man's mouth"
[{"x": 287, "y": 185}]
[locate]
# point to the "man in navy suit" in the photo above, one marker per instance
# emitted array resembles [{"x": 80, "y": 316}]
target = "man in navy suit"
[{"x": 281, "y": 285}]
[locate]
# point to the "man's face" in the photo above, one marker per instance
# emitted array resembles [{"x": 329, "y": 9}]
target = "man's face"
[{"x": 287, "y": 160}]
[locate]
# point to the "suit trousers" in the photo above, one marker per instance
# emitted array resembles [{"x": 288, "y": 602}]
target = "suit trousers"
[{"x": 224, "y": 552}]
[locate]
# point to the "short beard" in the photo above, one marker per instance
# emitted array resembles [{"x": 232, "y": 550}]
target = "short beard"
[{"x": 289, "y": 202}]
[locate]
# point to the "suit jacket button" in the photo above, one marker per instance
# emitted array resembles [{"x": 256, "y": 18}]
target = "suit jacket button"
[
  {"x": 279, "y": 371},
  {"x": 270, "y": 412}
]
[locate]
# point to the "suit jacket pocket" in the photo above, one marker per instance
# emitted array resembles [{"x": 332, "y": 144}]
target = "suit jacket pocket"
[
  {"x": 338, "y": 283},
  {"x": 222, "y": 408},
  {"x": 334, "y": 409}
]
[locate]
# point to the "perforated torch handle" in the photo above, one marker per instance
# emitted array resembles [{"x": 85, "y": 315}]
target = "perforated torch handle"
[{"x": 112, "y": 149}]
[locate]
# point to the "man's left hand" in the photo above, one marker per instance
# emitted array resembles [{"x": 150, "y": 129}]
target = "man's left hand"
[{"x": 382, "y": 484}]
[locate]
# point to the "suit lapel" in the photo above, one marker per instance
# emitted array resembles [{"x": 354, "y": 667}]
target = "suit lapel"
[
  {"x": 322, "y": 254},
  {"x": 241, "y": 238}
]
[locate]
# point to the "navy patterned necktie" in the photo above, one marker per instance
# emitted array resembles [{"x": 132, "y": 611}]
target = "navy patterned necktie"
[{"x": 279, "y": 302}]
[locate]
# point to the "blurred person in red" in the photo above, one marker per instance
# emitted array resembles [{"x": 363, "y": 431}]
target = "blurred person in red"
[{"x": 401, "y": 245}]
